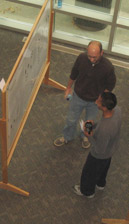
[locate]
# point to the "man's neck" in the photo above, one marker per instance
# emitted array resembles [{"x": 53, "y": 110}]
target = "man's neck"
[{"x": 108, "y": 113}]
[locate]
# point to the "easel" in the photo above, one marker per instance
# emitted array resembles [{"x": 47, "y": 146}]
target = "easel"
[
  {"x": 5, "y": 162},
  {"x": 116, "y": 221},
  {"x": 47, "y": 80},
  {"x": 44, "y": 78}
]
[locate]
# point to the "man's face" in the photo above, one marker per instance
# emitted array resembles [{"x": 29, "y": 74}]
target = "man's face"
[
  {"x": 99, "y": 103},
  {"x": 94, "y": 54}
]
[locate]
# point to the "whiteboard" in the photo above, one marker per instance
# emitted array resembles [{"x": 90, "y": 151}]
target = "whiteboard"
[{"x": 26, "y": 76}]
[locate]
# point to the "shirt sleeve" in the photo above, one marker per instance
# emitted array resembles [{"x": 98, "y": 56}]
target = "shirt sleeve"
[
  {"x": 100, "y": 140},
  {"x": 111, "y": 79},
  {"x": 75, "y": 69}
]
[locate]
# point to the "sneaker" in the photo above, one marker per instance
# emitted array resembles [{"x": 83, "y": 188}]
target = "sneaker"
[
  {"x": 85, "y": 143},
  {"x": 90, "y": 196},
  {"x": 100, "y": 188},
  {"x": 60, "y": 141},
  {"x": 77, "y": 191}
]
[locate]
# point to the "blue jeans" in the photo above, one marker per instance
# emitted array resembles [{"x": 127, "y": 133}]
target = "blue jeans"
[{"x": 77, "y": 105}]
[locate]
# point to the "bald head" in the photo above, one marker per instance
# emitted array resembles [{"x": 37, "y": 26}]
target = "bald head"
[
  {"x": 95, "y": 51},
  {"x": 95, "y": 43}
]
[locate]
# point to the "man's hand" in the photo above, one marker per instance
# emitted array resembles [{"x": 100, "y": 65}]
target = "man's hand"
[
  {"x": 86, "y": 131},
  {"x": 87, "y": 134},
  {"x": 67, "y": 92},
  {"x": 69, "y": 88}
]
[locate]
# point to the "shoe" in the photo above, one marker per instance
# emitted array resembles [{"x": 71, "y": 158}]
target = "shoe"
[
  {"x": 77, "y": 191},
  {"x": 100, "y": 188},
  {"x": 85, "y": 143},
  {"x": 60, "y": 141},
  {"x": 90, "y": 196}
]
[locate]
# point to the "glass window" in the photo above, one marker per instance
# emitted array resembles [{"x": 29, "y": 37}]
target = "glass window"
[
  {"x": 106, "y": 6},
  {"x": 81, "y": 28},
  {"x": 97, "y": 5},
  {"x": 124, "y": 8},
  {"x": 18, "y": 12},
  {"x": 121, "y": 41},
  {"x": 123, "y": 18}
]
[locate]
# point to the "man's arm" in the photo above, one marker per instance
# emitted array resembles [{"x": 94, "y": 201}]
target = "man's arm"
[
  {"x": 111, "y": 80},
  {"x": 69, "y": 88},
  {"x": 73, "y": 76},
  {"x": 99, "y": 140}
]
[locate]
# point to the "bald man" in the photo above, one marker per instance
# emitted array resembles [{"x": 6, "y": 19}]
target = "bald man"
[{"x": 92, "y": 74}]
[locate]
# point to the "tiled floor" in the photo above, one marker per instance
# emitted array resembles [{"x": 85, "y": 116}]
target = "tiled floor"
[{"x": 49, "y": 173}]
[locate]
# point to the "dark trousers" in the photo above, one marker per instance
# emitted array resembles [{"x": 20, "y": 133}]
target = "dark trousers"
[{"x": 94, "y": 173}]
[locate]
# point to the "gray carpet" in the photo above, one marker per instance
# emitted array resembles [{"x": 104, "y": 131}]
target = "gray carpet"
[{"x": 49, "y": 173}]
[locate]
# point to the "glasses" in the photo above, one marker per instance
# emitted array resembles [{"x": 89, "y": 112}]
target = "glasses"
[{"x": 92, "y": 57}]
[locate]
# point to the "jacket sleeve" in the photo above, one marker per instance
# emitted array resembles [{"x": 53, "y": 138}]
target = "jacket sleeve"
[
  {"x": 75, "y": 69},
  {"x": 111, "y": 79}
]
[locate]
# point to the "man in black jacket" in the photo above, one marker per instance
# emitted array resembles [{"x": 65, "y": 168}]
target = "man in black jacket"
[{"x": 92, "y": 74}]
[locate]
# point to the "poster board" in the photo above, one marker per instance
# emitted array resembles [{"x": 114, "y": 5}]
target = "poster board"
[
  {"x": 29, "y": 72},
  {"x": 25, "y": 78}
]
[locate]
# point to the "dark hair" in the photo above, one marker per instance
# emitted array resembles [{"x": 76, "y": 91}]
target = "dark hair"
[
  {"x": 109, "y": 100},
  {"x": 96, "y": 43}
]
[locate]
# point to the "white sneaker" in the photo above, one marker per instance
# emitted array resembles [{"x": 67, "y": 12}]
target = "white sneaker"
[
  {"x": 77, "y": 191},
  {"x": 100, "y": 188},
  {"x": 60, "y": 141},
  {"x": 91, "y": 196},
  {"x": 85, "y": 143}
]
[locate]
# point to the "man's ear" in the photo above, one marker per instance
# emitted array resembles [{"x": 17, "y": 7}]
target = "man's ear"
[{"x": 102, "y": 53}]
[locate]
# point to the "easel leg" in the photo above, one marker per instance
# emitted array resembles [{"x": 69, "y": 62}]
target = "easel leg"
[
  {"x": 47, "y": 80},
  {"x": 51, "y": 82},
  {"x": 114, "y": 221},
  {"x": 127, "y": 218},
  {"x": 55, "y": 84},
  {"x": 13, "y": 188}
]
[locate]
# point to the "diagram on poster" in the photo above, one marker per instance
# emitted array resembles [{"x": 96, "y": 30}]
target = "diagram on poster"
[{"x": 26, "y": 76}]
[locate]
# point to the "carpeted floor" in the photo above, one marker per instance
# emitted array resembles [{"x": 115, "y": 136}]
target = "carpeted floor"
[{"x": 49, "y": 173}]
